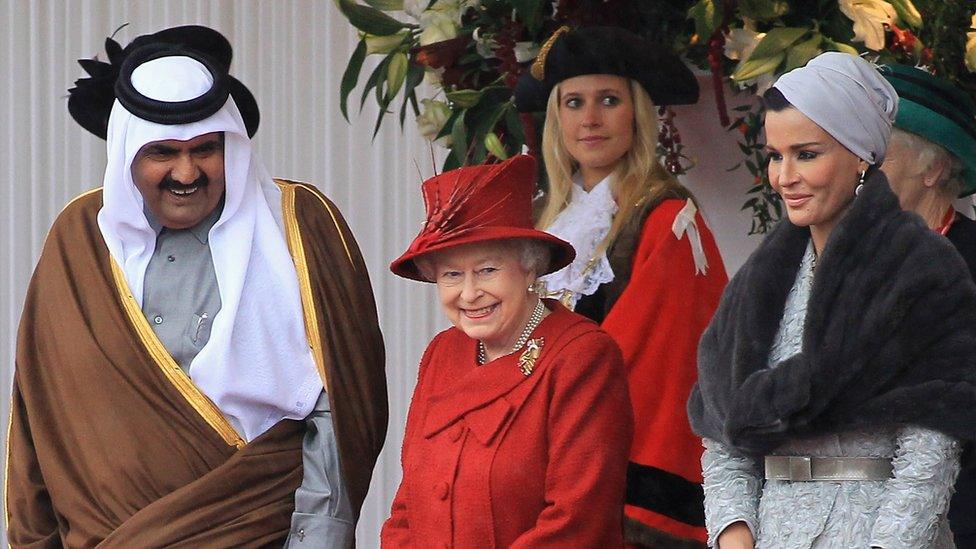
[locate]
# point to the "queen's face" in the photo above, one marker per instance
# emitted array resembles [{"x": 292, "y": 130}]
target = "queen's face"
[
  {"x": 596, "y": 120},
  {"x": 901, "y": 169},
  {"x": 813, "y": 173},
  {"x": 484, "y": 292}
]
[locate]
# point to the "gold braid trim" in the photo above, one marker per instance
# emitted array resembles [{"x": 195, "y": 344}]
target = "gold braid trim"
[{"x": 538, "y": 69}]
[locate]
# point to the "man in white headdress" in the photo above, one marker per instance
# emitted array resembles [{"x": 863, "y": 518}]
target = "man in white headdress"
[{"x": 199, "y": 360}]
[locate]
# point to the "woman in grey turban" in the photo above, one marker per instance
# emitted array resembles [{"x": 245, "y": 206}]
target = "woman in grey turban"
[{"x": 838, "y": 377}]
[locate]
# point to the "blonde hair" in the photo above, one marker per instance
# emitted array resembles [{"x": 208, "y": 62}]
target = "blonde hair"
[
  {"x": 927, "y": 155},
  {"x": 637, "y": 179}
]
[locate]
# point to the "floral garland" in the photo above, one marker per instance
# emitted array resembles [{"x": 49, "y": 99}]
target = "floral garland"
[
  {"x": 757, "y": 40},
  {"x": 472, "y": 52}
]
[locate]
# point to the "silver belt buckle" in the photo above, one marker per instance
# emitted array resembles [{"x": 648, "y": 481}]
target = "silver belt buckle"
[{"x": 801, "y": 468}]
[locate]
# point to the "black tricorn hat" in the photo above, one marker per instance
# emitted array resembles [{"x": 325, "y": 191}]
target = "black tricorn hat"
[
  {"x": 90, "y": 101},
  {"x": 605, "y": 50}
]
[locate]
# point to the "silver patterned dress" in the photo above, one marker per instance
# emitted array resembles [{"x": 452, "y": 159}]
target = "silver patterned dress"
[{"x": 908, "y": 511}]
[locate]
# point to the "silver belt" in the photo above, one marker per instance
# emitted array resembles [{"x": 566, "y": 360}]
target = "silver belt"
[{"x": 802, "y": 468}]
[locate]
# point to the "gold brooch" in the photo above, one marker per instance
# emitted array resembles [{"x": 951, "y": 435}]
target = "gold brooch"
[{"x": 526, "y": 361}]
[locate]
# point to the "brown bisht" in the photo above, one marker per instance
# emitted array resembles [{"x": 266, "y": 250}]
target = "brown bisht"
[{"x": 112, "y": 445}]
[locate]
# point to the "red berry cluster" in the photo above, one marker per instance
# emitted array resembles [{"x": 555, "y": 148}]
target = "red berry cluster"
[
  {"x": 669, "y": 140},
  {"x": 905, "y": 41},
  {"x": 506, "y": 38}
]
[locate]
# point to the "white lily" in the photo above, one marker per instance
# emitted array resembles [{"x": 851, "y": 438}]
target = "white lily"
[
  {"x": 485, "y": 46},
  {"x": 971, "y": 46},
  {"x": 436, "y": 26},
  {"x": 739, "y": 43},
  {"x": 870, "y": 18},
  {"x": 526, "y": 51},
  {"x": 415, "y": 8},
  {"x": 432, "y": 77},
  {"x": 432, "y": 119}
]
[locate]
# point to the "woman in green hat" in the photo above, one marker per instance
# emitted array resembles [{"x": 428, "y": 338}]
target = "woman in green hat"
[{"x": 931, "y": 161}]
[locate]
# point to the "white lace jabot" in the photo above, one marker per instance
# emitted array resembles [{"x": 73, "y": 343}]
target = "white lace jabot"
[{"x": 584, "y": 223}]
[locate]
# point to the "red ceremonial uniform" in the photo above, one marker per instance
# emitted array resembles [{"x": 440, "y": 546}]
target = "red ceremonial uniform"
[
  {"x": 657, "y": 321},
  {"x": 495, "y": 458}
]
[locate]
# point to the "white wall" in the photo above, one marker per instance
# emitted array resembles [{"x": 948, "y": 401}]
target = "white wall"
[{"x": 291, "y": 54}]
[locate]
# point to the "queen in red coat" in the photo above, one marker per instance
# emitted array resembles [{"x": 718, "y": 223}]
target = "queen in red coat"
[{"x": 520, "y": 424}]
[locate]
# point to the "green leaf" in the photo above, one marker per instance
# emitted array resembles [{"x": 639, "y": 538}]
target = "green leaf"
[
  {"x": 763, "y": 10},
  {"x": 464, "y": 99},
  {"x": 800, "y": 53},
  {"x": 707, "y": 15},
  {"x": 494, "y": 145},
  {"x": 529, "y": 12},
  {"x": 777, "y": 40},
  {"x": 752, "y": 68},
  {"x": 396, "y": 73},
  {"x": 415, "y": 75},
  {"x": 351, "y": 76},
  {"x": 459, "y": 141},
  {"x": 369, "y": 20},
  {"x": 907, "y": 12},
  {"x": 513, "y": 123},
  {"x": 742, "y": 108},
  {"x": 769, "y": 53},
  {"x": 379, "y": 120},
  {"x": 383, "y": 45},
  {"x": 833, "y": 45},
  {"x": 449, "y": 124},
  {"x": 374, "y": 80},
  {"x": 386, "y": 5},
  {"x": 746, "y": 149}
]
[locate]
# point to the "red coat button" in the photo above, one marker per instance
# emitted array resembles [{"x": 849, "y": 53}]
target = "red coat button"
[{"x": 441, "y": 489}]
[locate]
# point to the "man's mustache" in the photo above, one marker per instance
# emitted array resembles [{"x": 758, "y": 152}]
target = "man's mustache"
[{"x": 168, "y": 183}]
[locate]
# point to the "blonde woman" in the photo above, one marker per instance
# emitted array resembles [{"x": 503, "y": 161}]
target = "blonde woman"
[{"x": 647, "y": 267}]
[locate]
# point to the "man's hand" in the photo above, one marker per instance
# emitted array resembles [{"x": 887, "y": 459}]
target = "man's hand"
[{"x": 736, "y": 536}]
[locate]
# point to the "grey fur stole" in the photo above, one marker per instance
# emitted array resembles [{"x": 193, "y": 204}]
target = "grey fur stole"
[{"x": 889, "y": 337}]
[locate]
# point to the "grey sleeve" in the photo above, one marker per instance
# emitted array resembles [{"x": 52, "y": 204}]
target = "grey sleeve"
[
  {"x": 732, "y": 485},
  {"x": 926, "y": 464},
  {"x": 323, "y": 515}
]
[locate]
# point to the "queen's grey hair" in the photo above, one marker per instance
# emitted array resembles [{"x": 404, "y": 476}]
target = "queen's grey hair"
[
  {"x": 534, "y": 256},
  {"x": 928, "y": 154}
]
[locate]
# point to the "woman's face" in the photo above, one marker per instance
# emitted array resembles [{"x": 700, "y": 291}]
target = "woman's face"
[
  {"x": 596, "y": 119},
  {"x": 484, "y": 291},
  {"x": 813, "y": 173}
]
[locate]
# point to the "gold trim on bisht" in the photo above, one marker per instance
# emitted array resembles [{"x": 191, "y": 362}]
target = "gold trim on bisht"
[
  {"x": 538, "y": 69},
  {"x": 171, "y": 369},
  {"x": 294, "y": 236},
  {"x": 6, "y": 469},
  {"x": 335, "y": 221}
]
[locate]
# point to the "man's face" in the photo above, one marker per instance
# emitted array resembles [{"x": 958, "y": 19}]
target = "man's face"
[{"x": 181, "y": 181}]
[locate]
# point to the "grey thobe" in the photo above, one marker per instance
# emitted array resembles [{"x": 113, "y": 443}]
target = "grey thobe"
[{"x": 180, "y": 300}]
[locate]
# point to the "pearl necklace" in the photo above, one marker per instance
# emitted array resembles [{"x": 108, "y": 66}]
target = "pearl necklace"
[{"x": 534, "y": 320}]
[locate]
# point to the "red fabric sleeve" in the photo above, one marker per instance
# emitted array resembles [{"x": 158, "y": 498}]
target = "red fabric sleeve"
[
  {"x": 590, "y": 426},
  {"x": 396, "y": 530},
  {"x": 31, "y": 520},
  {"x": 657, "y": 321}
]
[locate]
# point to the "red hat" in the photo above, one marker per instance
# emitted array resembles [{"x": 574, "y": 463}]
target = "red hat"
[{"x": 478, "y": 204}]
